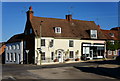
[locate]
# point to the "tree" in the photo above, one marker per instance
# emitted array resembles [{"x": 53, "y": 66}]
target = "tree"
[{"x": 113, "y": 45}]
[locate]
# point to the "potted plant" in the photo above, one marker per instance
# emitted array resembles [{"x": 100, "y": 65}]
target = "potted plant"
[
  {"x": 77, "y": 59},
  {"x": 56, "y": 60},
  {"x": 67, "y": 59}
]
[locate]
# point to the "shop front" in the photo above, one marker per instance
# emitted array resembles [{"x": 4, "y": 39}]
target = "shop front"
[{"x": 93, "y": 51}]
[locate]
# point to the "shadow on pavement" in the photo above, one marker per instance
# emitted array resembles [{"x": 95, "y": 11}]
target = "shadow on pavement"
[
  {"x": 110, "y": 72},
  {"x": 105, "y": 62}
]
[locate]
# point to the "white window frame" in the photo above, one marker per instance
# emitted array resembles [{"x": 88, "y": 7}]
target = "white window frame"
[
  {"x": 15, "y": 57},
  {"x": 17, "y": 46},
  {"x": 92, "y": 32},
  {"x": 10, "y": 47},
  {"x": 57, "y": 29},
  {"x": 13, "y": 46},
  {"x": 7, "y": 56}
]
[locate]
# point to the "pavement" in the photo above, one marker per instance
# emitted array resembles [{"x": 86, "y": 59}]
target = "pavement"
[{"x": 95, "y": 69}]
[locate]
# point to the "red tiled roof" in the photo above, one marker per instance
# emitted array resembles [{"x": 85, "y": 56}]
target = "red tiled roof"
[
  {"x": 115, "y": 32},
  {"x": 70, "y": 29},
  {"x": 115, "y": 28}
]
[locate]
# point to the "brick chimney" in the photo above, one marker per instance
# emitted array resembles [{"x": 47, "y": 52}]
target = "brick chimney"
[
  {"x": 29, "y": 13},
  {"x": 69, "y": 17}
]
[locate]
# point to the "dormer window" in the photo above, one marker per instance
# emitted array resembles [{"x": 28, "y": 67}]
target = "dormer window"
[
  {"x": 57, "y": 29},
  {"x": 93, "y": 34},
  {"x": 111, "y": 34}
]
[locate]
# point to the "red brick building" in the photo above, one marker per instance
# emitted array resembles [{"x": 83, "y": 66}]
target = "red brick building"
[{"x": 112, "y": 36}]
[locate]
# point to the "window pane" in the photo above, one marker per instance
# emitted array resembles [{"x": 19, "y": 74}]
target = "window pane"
[
  {"x": 51, "y": 43},
  {"x": 42, "y": 42},
  {"x": 7, "y": 56},
  {"x": 52, "y": 55},
  {"x": 58, "y": 30},
  {"x": 43, "y": 56},
  {"x": 93, "y": 33},
  {"x": 15, "y": 57},
  {"x": 11, "y": 56},
  {"x": 70, "y": 43}
]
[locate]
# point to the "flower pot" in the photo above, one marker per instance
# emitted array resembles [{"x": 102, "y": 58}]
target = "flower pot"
[
  {"x": 67, "y": 60},
  {"x": 56, "y": 60},
  {"x": 77, "y": 59}
]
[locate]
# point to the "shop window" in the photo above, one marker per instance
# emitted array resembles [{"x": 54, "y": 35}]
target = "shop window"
[{"x": 86, "y": 50}]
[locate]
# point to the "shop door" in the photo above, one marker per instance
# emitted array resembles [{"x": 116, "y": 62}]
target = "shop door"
[{"x": 91, "y": 54}]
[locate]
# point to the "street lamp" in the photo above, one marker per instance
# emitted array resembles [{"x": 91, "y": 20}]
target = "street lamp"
[{"x": 39, "y": 49}]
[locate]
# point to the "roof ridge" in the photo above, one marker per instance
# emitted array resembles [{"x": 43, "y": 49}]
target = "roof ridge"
[{"x": 61, "y": 19}]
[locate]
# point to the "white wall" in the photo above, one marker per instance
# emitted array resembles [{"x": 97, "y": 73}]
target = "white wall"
[
  {"x": 18, "y": 51},
  {"x": 60, "y": 44}
]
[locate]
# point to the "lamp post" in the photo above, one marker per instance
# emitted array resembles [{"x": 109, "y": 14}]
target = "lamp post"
[{"x": 39, "y": 49}]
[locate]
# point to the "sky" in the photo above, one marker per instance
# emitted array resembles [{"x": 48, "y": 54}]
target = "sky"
[{"x": 14, "y": 14}]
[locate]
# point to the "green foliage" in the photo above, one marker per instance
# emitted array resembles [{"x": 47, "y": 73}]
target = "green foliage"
[{"x": 111, "y": 46}]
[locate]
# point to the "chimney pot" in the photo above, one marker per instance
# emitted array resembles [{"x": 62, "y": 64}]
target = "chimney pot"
[
  {"x": 29, "y": 13},
  {"x": 69, "y": 17}
]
